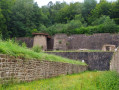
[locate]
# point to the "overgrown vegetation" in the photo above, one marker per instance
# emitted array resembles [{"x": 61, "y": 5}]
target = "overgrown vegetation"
[
  {"x": 37, "y": 49},
  {"x": 20, "y": 18},
  {"x": 12, "y": 48},
  {"x": 84, "y": 81}
]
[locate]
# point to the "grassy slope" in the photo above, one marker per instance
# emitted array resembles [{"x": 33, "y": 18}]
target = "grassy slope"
[
  {"x": 83, "y": 81},
  {"x": 13, "y": 49}
]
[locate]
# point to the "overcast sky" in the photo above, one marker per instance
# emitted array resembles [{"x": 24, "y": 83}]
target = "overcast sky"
[{"x": 45, "y": 2}]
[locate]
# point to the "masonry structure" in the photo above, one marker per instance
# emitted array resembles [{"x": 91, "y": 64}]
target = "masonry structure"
[
  {"x": 73, "y": 42},
  {"x": 114, "y": 65},
  {"x": 95, "y": 60},
  {"x": 31, "y": 69}
]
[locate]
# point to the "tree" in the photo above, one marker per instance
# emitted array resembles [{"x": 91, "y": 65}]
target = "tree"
[
  {"x": 25, "y": 16},
  {"x": 103, "y": 8},
  {"x": 2, "y": 22},
  {"x": 102, "y": 20},
  {"x": 88, "y": 6},
  {"x": 115, "y": 11},
  {"x": 5, "y": 10},
  {"x": 68, "y": 12}
]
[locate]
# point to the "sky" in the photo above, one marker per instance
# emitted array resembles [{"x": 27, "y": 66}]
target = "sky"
[{"x": 45, "y": 2}]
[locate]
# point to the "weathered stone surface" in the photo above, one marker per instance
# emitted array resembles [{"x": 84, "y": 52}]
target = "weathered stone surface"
[
  {"x": 95, "y": 60},
  {"x": 41, "y": 41},
  {"x": 60, "y": 42},
  {"x": 34, "y": 69},
  {"x": 75, "y": 42},
  {"x": 95, "y": 41},
  {"x": 114, "y": 65}
]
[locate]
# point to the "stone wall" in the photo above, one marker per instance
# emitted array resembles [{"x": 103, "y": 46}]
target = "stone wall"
[
  {"x": 28, "y": 40},
  {"x": 75, "y": 42},
  {"x": 115, "y": 62},
  {"x": 95, "y": 60},
  {"x": 28, "y": 70},
  {"x": 60, "y": 42},
  {"x": 95, "y": 41}
]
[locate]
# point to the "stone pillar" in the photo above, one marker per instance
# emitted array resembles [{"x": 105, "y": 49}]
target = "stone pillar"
[
  {"x": 114, "y": 65},
  {"x": 40, "y": 39}
]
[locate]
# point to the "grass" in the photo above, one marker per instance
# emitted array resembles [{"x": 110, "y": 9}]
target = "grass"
[
  {"x": 84, "y": 81},
  {"x": 12, "y": 48}
]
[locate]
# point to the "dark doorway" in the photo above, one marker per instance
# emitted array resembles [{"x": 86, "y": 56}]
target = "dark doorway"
[
  {"x": 50, "y": 43},
  {"x": 107, "y": 48}
]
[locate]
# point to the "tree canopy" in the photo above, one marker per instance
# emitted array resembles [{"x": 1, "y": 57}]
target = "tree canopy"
[{"x": 20, "y": 18}]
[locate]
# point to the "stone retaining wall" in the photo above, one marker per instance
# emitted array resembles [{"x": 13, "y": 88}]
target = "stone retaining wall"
[
  {"x": 95, "y": 60},
  {"x": 28, "y": 70}
]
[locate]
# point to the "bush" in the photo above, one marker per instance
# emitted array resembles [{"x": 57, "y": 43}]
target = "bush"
[
  {"x": 57, "y": 28},
  {"x": 72, "y": 25},
  {"x": 101, "y": 20},
  {"x": 103, "y": 28},
  {"x": 37, "y": 49}
]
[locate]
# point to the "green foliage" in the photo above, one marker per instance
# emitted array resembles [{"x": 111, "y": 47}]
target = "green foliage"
[
  {"x": 57, "y": 28},
  {"x": 108, "y": 81},
  {"x": 68, "y": 28},
  {"x": 84, "y": 81},
  {"x": 103, "y": 8},
  {"x": 102, "y": 25},
  {"x": 20, "y": 18},
  {"x": 37, "y": 49},
  {"x": 8, "y": 83},
  {"x": 102, "y": 20},
  {"x": 24, "y": 45},
  {"x": 115, "y": 11},
  {"x": 68, "y": 12},
  {"x": 5, "y": 10},
  {"x": 88, "y": 6},
  {"x": 72, "y": 25}
]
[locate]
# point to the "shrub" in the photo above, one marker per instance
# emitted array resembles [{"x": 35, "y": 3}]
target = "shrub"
[
  {"x": 24, "y": 45},
  {"x": 37, "y": 49}
]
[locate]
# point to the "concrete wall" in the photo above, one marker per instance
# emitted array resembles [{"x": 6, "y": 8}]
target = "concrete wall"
[
  {"x": 115, "y": 62},
  {"x": 28, "y": 70},
  {"x": 41, "y": 41},
  {"x": 95, "y": 60}
]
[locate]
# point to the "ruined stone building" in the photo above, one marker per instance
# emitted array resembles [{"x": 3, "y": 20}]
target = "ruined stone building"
[{"x": 101, "y": 41}]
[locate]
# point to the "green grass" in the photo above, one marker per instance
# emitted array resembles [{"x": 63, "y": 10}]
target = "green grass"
[
  {"x": 11, "y": 48},
  {"x": 83, "y": 81}
]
